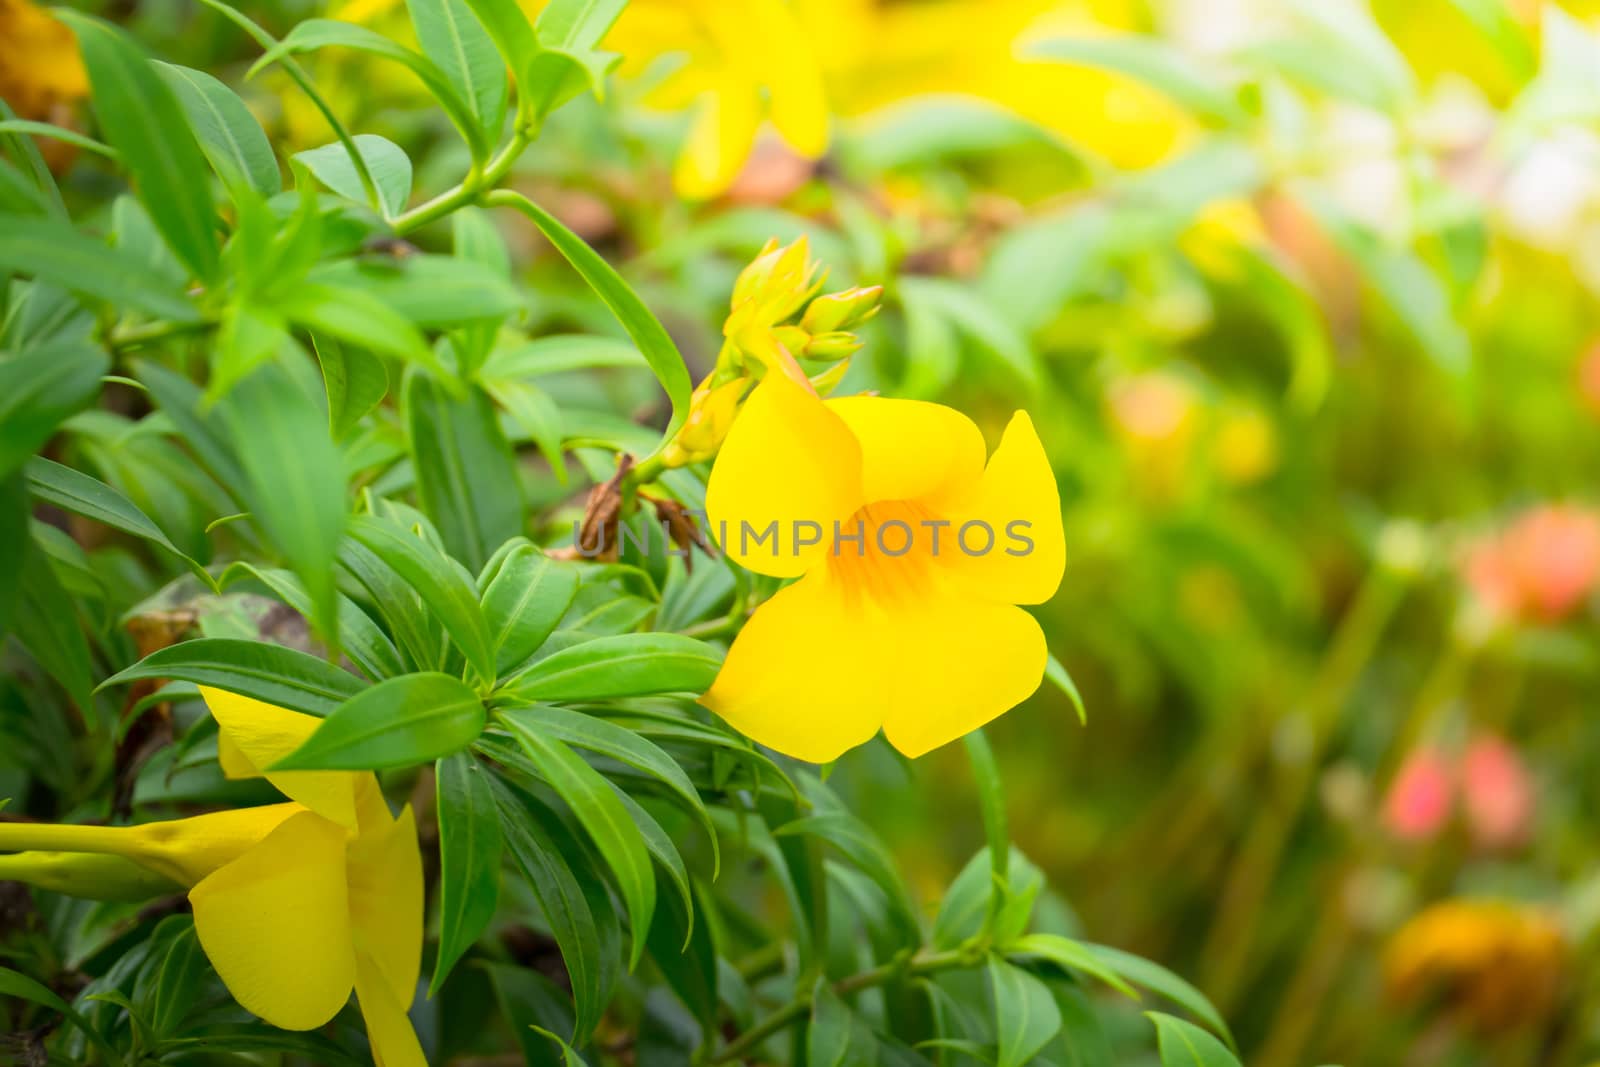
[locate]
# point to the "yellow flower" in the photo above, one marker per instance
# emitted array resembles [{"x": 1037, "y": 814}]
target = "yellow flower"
[
  {"x": 295, "y": 904},
  {"x": 1500, "y": 964},
  {"x": 746, "y": 63},
  {"x": 911, "y": 554},
  {"x": 39, "y": 63}
]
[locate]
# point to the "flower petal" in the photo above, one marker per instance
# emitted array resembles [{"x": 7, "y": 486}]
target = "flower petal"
[
  {"x": 787, "y": 460},
  {"x": 393, "y": 1038},
  {"x": 960, "y": 662},
  {"x": 806, "y": 675},
  {"x": 1018, "y": 487},
  {"x": 911, "y": 448},
  {"x": 385, "y": 870},
  {"x": 798, "y": 103},
  {"x": 721, "y": 135},
  {"x": 255, "y": 735},
  {"x": 276, "y": 924}
]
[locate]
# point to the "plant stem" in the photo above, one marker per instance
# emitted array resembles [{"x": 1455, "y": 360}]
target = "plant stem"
[
  {"x": 122, "y": 340},
  {"x": 791, "y": 1012},
  {"x": 477, "y": 182}
]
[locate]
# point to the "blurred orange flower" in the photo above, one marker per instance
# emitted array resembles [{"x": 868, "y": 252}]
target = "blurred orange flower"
[
  {"x": 1498, "y": 964},
  {"x": 1540, "y": 568},
  {"x": 1418, "y": 804},
  {"x": 1492, "y": 781},
  {"x": 41, "y": 73}
]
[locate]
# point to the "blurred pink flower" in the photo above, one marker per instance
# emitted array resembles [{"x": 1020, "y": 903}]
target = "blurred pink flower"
[
  {"x": 1497, "y": 792},
  {"x": 1419, "y": 801},
  {"x": 1541, "y": 567}
]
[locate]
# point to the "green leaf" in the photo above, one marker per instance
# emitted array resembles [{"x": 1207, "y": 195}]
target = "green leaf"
[
  {"x": 142, "y": 119},
  {"x": 400, "y": 722},
  {"x": 470, "y": 847},
  {"x": 54, "y": 252},
  {"x": 567, "y": 59},
  {"x": 619, "y": 743},
  {"x": 229, "y": 134},
  {"x": 562, "y": 353},
  {"x": 462, "y": 49},
  {"x": 16, "y": 984},
  {"x": 15, "y": 517},
  {"x": 1072, "y": 955},
  {"x": 313, "y": 34},
  {"x": 46, "y": 622},
  {"x": 508, "y": 28},
  {"x": 358, "y": 318},
  {"x": 467, "y": 477},
  {"x": 1026, "y": 1016},
  {"x": 1155, "y": 63},
  {"x": 428, "y": 290},
  {"x": 59, "y": 133},
  {"x": 180, "y": 982},
  {"x": 293, "y": 480},
  {"x": 356, "y": 382},
  {"x": 38, "y": 390},
  {"x": 362, "y": 640},
  {"x": 74, "y": 491},
  {"x": 1057, "y": 676},
  {"x": 607, "y": 822},
  {"x": 572, "y": 923},
  {"x": 992, "y": 803},
  {"x": 1498, "y": 24},
  {"x": 444, "y": 587},
  {"x": 623, "y": 665},
  {"x": 1156, "y": 978},
  {"x": 686, "y": 955},
  {"x": 856, "y": 842},
  {"x": 1184, "y": 1044},
  {"x": 537, "y": 413},
  {"x": 388, "y": 164},
  {"x": 828, "y": 1034},
  {"x": 273, "y": 674},
  {"x": 524, "y": 602},
  {"x": 648, "y": 334}
]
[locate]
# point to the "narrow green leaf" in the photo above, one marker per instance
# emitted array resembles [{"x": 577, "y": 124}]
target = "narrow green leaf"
[
  {"x": 294, "y": 480},
  {"x": 38, "y": 390},
  {"x": 273, "y": 674},
  {"x": 54, "y": 252},
  {"x": 358, "y": 318},
  {"x": 537, "y": 413},
  {"x": 856, "y": 842},
  {"x": 572, "y": 923},
  {"x": 619, "y": 743},
  {"x": 1183, "y": 1044},
  {"x": 828, "y": 1035},
  {"x": 647, "y": 332},
  {"x": 1057, "y": 675},
  {"x": 466, "y": 473},
  {"x": 470, "y": 847},
  {"x": 456, "y": 41},
  {"x": 686, "y": 955},
  {"x": 142, "y": 119},
  {"x": 388, "y": 164},
  {"x": 16, "y": 984},
  {"x": 441, "y": 583},
  {"x": 524, "y": 602},
  {"x": 313, "y": 34},
  {"x": 992, "y": 803},
  {"x": 59, "y": 133},
  {"x": 1156, "y": 978},
  {"x": 509, "y": 29},
  {"x": 400, "y": 722},
  {"x": 417, "y": 635},
  {"x": 229, "y": 134},
  {"x": 46, "y": 622},
  {"x": 428, "y": 290},
  {"x": 356, "y": 382},
  {"x": 1072, "y": 955},
  {"x": 361, "y": 638},
  {"x": 607, "y": 822},
  {"x": 74, "y": 491},
  {"x": 1026, "y": 1016},
  {"x": 623, "y": 665}
]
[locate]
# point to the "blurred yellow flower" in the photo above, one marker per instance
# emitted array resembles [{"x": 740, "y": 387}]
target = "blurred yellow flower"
[
  {"x": 1500, "y": 963},
  {"x": 912, "y": 556},
  {"x": 744, "y": 64},
  {"x": 39, "y": 63},
  {"x": 1245, "y": 446},
  {"x": 295, "y": 904}
]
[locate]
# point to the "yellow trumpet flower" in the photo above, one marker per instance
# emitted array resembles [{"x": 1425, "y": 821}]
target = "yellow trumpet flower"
[
  {"x": 912, "y": 556},
  {"x": 295, "y": 904},
  {"x": 746, "y": 63}
]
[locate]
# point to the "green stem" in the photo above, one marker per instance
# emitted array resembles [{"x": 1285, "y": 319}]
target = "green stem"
[
  {"x": 127, "y": 338},
  {"x": 476, "y": 183},
  {"x": 791, "y": 1012}
]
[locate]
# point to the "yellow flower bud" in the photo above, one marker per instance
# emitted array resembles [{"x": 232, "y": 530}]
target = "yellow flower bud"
[
  {"x": 828, "y": 347},
  {"x": 711, "y": 412},
  {"x": 842, "y": 310}
]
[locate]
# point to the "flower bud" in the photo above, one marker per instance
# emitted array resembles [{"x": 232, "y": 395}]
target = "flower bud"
[
  {"x": 842, "y": 310},
  {"x": 832, "y": 346},
  {"x": 711, "y": 412}
]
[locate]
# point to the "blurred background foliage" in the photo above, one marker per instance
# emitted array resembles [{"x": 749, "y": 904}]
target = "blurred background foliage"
[{"x": 1302, "y": 298}]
